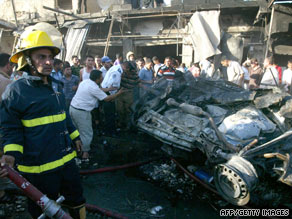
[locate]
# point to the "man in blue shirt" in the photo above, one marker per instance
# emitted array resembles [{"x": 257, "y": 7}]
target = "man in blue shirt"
[
  {"x": 146, "y": 76},
  {"x": 70, "y": 83},
  {"x": 56, "y": 73}
]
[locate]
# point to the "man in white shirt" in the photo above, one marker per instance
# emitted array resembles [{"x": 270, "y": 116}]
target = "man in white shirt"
[
  {"x": 270, "y": 77},
  {"x": 235, "y": 73},
  {"x": 106, "y": 65},
  {"x": 157, "y": 65},
  {"x": 113, "y": 78},
  {"x": 89, "y": 66},
  {"x": 204, "y": 65},
  {"x": 112, "y": 81},
  {"x": 287, "y": 76},
  {"x": 84, "y": 101}
]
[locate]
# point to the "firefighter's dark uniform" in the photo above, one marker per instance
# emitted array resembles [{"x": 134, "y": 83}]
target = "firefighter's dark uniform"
[{"x": 38, "y": 132}]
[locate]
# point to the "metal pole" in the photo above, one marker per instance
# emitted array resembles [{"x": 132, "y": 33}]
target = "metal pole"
[
  {"x": 270, "y": 30},
  {"x": 13, "y": 7},
  {"x": 63, "y": 40},
  {"x": 108, "y": 38},
  {"x": 63, "y": 12},
  {"x": 1, "y": 31},
  {"x": 14, "y": 43}
]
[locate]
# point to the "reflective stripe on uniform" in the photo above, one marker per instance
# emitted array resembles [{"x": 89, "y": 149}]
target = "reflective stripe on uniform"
[
  {"x": 44, "y": 120},
  {"x": 74, "y": 134},
  {"x": 13, "y": 147},
  {"x": 48, "y": 166}
]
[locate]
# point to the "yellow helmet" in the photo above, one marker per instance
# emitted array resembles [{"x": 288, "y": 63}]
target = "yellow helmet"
[{"x": 35, "y": 39}]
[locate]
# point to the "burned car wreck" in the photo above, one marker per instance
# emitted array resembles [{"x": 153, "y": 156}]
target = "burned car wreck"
[{"x": 245, "y": 135}]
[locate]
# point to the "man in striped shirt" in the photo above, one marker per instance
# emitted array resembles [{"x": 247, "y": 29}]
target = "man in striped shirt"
[
  {"x": 167, "y": 71},
  {"x": 129, "y": 81}
]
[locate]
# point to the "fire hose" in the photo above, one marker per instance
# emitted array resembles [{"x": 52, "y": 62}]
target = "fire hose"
[
  {"x": 110, "y": 169},
  {"x": 48, "y": 206},
  {"x": 94, "y": 208},
  {"x": 53, "y": 209}
]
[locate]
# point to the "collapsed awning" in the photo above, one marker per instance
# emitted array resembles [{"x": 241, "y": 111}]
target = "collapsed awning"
[
  {"x": 204, "y": 34},
  {"x": 282, "y": 20},
  {"x": 74, "y": 40},
  {"x": 281, "y": 30}
]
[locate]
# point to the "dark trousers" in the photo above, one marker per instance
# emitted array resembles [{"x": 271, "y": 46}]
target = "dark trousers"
[
  {"x": 64, "y": 181},
  {"x": 123, "y": 106},
  {"x": 95, "y": 118},
  {"x": 68, "y": 102},
  {"x": 109, "y": 110}
]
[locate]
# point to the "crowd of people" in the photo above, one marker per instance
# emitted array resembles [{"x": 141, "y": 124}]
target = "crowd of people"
[
  {"x": 107, "y": 88},
  {"x": 252, "y": 75},
  {"x": 99, "y": 94}
]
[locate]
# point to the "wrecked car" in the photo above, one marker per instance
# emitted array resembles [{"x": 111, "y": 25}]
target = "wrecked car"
[{"x": 244, "y": 135}]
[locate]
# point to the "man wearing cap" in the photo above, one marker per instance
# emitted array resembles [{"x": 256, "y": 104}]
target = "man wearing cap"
[
  {"x": 130, "y": 56},
  {"x": 38, "y": 133},
  {"x": 106, "y": 65},
  {"x": 112, "y": 80},
  {"x": 129, "y": 81}
]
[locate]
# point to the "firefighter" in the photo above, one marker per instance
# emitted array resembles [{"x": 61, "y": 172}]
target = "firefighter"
[{"x": 39, "y": 138}]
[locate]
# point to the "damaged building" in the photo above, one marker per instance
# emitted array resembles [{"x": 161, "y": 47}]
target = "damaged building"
[{"x": 188, "y": 30}]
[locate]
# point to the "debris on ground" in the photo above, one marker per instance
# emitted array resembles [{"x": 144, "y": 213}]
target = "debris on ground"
[{"x": 245, "y": 136}]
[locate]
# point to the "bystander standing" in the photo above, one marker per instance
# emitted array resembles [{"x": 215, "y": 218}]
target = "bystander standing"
[
  {"x": 84, "y": 101},
  {"x": 146, "y": 76},
  {"x": 270, "y": 77},
  {"x": 119, "y": 59},
  {"x": 140, "y": 63},
  {"x": 235, "y": 73},
  {"x": 129, "y": 81},
  {"x": 287, "y": 77},
  {"x": 157, "y": 65},
  {"x": 106, "y": 65},
  {"x": 97, "y": 62},
  {"x": 167, "y": 70},
  {"x": 70, "y": 84},
  {"x": 255, "y": 74},
  {"x": 75, "y": 66},
  {"x": 57, "y": 72},
  {"x": 89, "y": 66}
]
